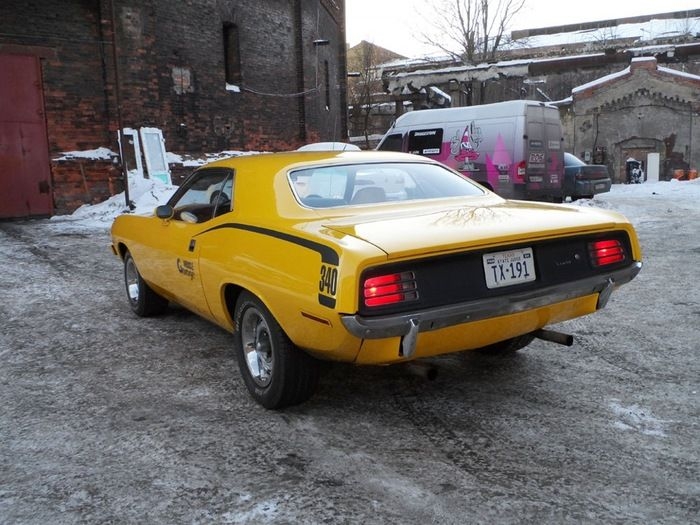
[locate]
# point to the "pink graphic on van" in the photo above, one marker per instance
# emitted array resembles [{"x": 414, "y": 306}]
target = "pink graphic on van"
[
  {"x": 469, "y": 143},
  {"x": 501, "y": 158},
  {"x": 492, "y": 172}
]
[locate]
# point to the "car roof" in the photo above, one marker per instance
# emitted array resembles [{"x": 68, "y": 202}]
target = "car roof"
[{"x": 274, "y": 162}]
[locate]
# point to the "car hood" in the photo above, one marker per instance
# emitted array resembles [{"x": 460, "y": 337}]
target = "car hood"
[{"x": 430, "y": 231}]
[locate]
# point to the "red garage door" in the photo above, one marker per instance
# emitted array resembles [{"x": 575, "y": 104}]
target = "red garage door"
[{"x": 25, "y": 176}]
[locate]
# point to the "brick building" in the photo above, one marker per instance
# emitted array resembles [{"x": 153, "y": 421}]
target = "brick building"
[
  {"x": 644, "y": 112},
  {"x": 212, "y": 75}
]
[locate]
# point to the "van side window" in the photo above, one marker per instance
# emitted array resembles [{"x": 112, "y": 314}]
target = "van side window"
[
  {"x": 425, "y": 141},
  {"x": 392, "y": 143}
]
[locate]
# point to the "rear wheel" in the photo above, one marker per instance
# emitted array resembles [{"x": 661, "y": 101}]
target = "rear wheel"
[
  {"x": 509, "y": 346},
  {"x": 275, "y": 371},
  {"x": 142, "y": 299}
]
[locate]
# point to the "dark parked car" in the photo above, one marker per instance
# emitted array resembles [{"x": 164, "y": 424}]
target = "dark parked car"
[{"x": 581, "y": 180}]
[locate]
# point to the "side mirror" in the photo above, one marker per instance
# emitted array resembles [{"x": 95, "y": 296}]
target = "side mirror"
[{"x": 165, "y": 211}]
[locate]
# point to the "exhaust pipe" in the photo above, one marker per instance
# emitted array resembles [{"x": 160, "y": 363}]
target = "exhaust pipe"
[{"x": 554, "y": 337}]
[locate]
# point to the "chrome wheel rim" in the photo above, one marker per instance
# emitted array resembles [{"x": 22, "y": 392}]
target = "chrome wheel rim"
[
  {"x": 257, "y": 346},
  {"x": 131, "y": 277}
]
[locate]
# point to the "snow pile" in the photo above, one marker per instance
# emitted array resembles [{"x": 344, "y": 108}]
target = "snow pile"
[
  {"x": 144, "y": 194},
  {"x": 90, "y": 154}
]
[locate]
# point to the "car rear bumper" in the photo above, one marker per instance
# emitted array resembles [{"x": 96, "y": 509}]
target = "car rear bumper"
[
  {"x": 409, "y": 325},
  {"x": 592, "y": 187}
]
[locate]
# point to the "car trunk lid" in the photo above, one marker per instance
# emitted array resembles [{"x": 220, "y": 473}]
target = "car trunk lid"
[{"x": 457, "y": 228}]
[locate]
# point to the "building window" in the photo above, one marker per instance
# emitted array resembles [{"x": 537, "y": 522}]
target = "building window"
[
  {"x": 328, "y": 85},
  {"x": 232, "y": 54}
]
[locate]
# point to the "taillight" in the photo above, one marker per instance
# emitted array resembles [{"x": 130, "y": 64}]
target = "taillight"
[
  {"x": 606, "y": 252},
  {"x": 390, "y": 289}
]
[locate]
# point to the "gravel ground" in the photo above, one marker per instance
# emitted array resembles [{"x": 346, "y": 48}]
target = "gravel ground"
[{"x": 108, "y": 418}]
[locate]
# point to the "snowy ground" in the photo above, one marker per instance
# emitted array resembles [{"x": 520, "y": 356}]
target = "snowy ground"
[{"x": 108, "y": 418}]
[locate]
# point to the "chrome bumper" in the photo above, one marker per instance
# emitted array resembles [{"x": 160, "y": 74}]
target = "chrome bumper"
[{"x": 409, "y": 325}]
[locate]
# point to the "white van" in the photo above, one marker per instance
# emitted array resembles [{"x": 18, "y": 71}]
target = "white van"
[{"x": 514, "y": 148}]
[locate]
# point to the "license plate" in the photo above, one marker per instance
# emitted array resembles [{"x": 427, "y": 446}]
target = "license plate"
[
  {"x": 509, "y": 267},
  {"x": 600, "y": 186}
]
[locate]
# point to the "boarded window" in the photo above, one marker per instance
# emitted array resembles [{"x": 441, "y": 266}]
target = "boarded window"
[
  {"x": 327, "y": 74},
  {"x": 232, "y": 54}
]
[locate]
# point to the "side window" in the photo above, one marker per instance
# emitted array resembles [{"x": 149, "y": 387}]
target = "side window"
[
  {"x": 425, "y": 141},
  {"x": 322, "y": 187},
  {"x": 392, "y": 143},
  {"x": 205, "y": 195}
]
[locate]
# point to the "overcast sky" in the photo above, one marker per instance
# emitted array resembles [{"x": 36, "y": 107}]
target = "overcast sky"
[{"x": 396, "y": 24}]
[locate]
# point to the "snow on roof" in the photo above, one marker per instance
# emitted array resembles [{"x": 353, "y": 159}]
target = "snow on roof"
[
  {"x": 642, "y": 31},
  {"x": 440, "y": 93},
  {"x": 626, "y": 71},
  {"x": 601, "y": 80},
  {"x": 677, "y": 73}
]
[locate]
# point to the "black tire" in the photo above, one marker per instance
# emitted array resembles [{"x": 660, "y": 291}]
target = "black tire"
[
  {"x": 509, "y": 346},
  {"x": 276, "y": 373},
  {"x": 142, "y": 299}
]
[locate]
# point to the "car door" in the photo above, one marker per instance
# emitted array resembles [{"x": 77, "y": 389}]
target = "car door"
[{"x": 205, "y": 195}]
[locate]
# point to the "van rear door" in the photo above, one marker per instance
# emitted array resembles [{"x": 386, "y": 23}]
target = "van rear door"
[{"x": 545, "y": 162}]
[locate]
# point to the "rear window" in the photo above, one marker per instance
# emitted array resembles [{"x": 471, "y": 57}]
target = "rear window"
[
  {"x": 358, "y": 184},
  {"x": 425, "y": 141},
  {"x": 572, "y": 160}
]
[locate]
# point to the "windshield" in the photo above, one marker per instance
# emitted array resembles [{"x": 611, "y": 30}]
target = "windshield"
[{"x": 357, "y": 184}]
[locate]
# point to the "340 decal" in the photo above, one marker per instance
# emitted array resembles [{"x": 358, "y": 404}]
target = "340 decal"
[{"x": 328, "y": 284}]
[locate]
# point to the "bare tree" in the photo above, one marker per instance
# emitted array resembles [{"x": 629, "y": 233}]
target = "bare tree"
[
  {"x": 470, "y": 30},
  {"x": 360, "y": 87},
  {"x": 365, "y": 86}
]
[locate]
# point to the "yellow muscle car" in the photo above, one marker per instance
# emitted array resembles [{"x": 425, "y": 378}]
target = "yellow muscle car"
[{"x": 367, "y": 258}]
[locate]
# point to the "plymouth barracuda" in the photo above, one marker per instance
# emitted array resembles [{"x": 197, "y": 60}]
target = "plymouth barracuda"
[{"x": 366, "y": 258}]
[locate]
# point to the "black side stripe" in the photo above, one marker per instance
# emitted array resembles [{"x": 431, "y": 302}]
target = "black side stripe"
[
  {"x": 328, "y": 302},
  {"x": 328, "y": 255}
]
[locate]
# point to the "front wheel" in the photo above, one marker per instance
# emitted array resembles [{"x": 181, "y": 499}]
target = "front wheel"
[
  {"x": 275, "y": 372},
  {"x": 142, "y": 299}
]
